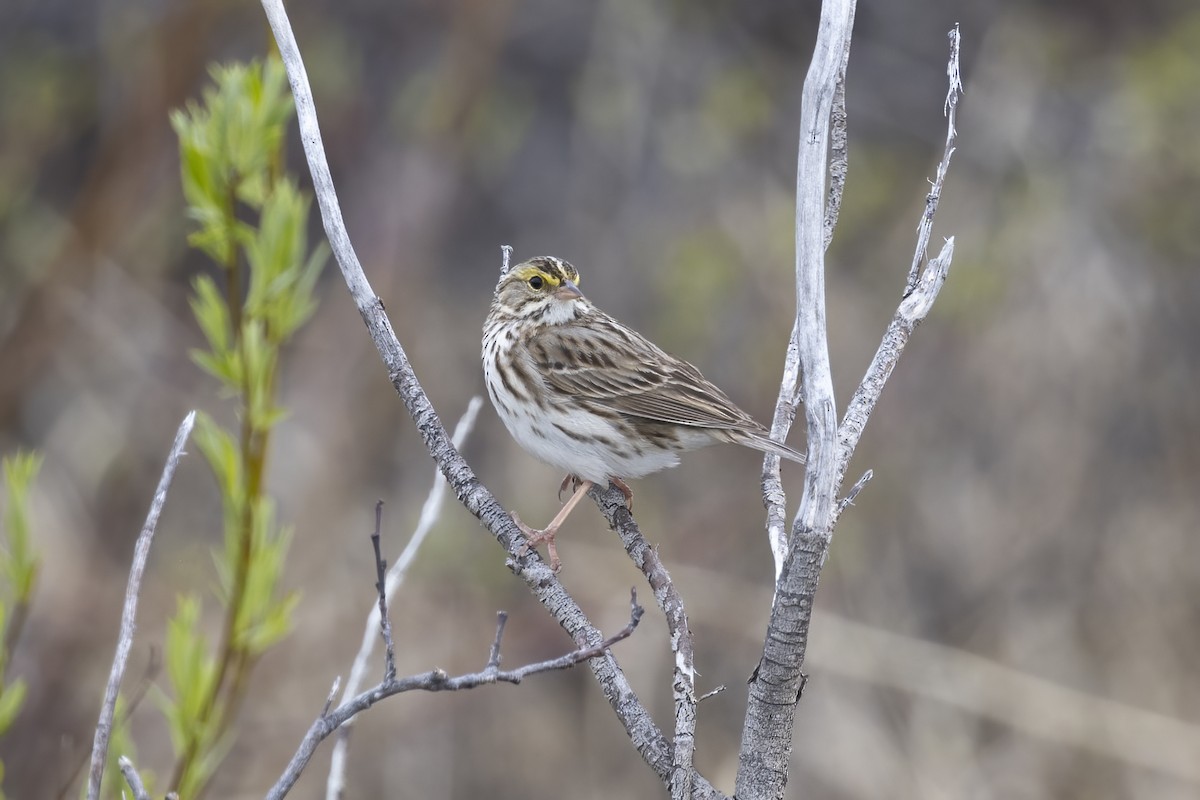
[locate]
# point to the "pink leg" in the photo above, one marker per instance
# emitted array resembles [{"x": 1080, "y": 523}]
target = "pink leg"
[{"x": 535, "y": 537}]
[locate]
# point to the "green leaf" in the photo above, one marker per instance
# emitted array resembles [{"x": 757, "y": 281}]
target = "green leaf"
[
  {"x": 190, "y": 667},
  {"x": 20, "y": 562},
  {"x": 224, "y": 458},
  {"x": 212, "y": 313},
  {"x": 226, "y": 368},
  {"x": 259, "y": 358},
  {"x": 11, "y": 698}
]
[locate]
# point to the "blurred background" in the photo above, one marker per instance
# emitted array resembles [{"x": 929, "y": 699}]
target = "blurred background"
[{"x": 1031, "y": 531}]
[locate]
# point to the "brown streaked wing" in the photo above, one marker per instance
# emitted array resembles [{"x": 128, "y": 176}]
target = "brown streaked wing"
[{"x": 600, "y": 361}]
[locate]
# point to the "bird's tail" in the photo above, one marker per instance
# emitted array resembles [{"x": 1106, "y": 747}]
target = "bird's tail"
[{"x": 766, "y": 444}]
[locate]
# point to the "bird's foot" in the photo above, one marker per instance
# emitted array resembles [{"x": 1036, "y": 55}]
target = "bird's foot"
[
  {"x": 625, "y": 490},
  {"x": 534, "y": 537}
]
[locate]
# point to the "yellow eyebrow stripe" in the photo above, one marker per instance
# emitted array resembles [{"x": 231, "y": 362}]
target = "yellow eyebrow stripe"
[{"x": 525, "y": 273}]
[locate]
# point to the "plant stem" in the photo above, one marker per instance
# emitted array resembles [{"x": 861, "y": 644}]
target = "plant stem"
[
  {"x": 12, "y": 633},
  {"x": 232, "y": 661}
]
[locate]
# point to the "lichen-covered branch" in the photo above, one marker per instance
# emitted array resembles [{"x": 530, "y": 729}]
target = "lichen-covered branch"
[{"x": 612, "y": 504}]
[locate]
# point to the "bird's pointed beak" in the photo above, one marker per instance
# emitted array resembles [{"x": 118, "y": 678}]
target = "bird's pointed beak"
[{"x": 568, "y": 291}]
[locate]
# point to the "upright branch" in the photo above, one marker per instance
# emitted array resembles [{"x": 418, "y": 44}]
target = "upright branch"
[
  {"x": 776, "y": 685},
  {"x": 141, "y": 551},
  {"x": 790, "y": 391},
  {"x": 385, "y": 625},
  {"x": 613, "y": 505}
]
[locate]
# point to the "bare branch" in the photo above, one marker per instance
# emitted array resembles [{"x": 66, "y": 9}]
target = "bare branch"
[
  {"x": 333, "y": 690},
  {"x": 647, "y": 739},
  {"x": 839, "y": 151},
  {"x": 919, "y": 293},
  {"x": 935, "y": 193},
  {"x": 133, "y": 779},
  {"x": 437, "y": 680},
  {"x": 134, "y": 699},
  {"x": 776, "y": 686},
  {"x": 790, "y": 392},
  {"x": 611, "y": 502},
  {"x": 141, "y": 551},
  {"x": 385, "y": 625},
  {"x": 848, "y": 500},
  {"x": 912, "y": 310},
  {"x": 493, "y": 662},
  {"x": 786, "y": 406},
  {"x": 431, "y": 511},
  {"x": 774, "y": 690}
]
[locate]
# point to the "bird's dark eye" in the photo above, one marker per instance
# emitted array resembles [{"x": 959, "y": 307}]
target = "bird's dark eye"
[{"x": 536, "y": 281}]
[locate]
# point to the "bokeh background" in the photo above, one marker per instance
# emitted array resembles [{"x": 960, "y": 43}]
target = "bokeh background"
[{"x": 1034, "y": 508}]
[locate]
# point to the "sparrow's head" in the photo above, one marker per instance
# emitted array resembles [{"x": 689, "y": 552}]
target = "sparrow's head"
[{"x": 543, "y": 289}]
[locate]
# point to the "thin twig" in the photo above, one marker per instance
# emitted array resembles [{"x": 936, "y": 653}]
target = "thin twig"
[
  {"x": 848, "y": 500},
  {"x": 950, "y": 109},
  {"x": 645, "y": 736},
  {"x": 506, "y": 252},
  {"x": 431, "y": 512},
  {"x": 133, "y": 779},
  {"x": 333, "y": 690},
  {"x": 493, "y": 662},
  {"x": 612, "y": 504},
  {"x": 437, "y": 680},
  {"x": 385, "y": 625},
  {"x": 919, "y": 293},
  {"x": 786, "y": 406},
  {"x": 135, "y": 698},
  {"x": 141, "y": 551}
]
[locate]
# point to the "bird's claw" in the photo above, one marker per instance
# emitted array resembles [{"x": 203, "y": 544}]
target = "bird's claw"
[
  {"x": 625, "y": 490},
  {"x": 534, "y": 537},
  {"x": 570, "y": 480}
]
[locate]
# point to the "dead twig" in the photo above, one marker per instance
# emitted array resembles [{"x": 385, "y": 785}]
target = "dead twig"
[
  {"x": 141, "y": 551},
  {"x": 437, "y": 680}
]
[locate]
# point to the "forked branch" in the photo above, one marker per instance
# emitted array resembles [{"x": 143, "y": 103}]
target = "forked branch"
[
  {"x": 437, "y": 680},
  {"x": 430, "y": 513},
  {"x": 777, "y": 682}
]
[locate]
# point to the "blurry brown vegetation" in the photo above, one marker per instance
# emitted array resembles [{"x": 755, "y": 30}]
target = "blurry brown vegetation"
[{"x": 1036, "y": 453}]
